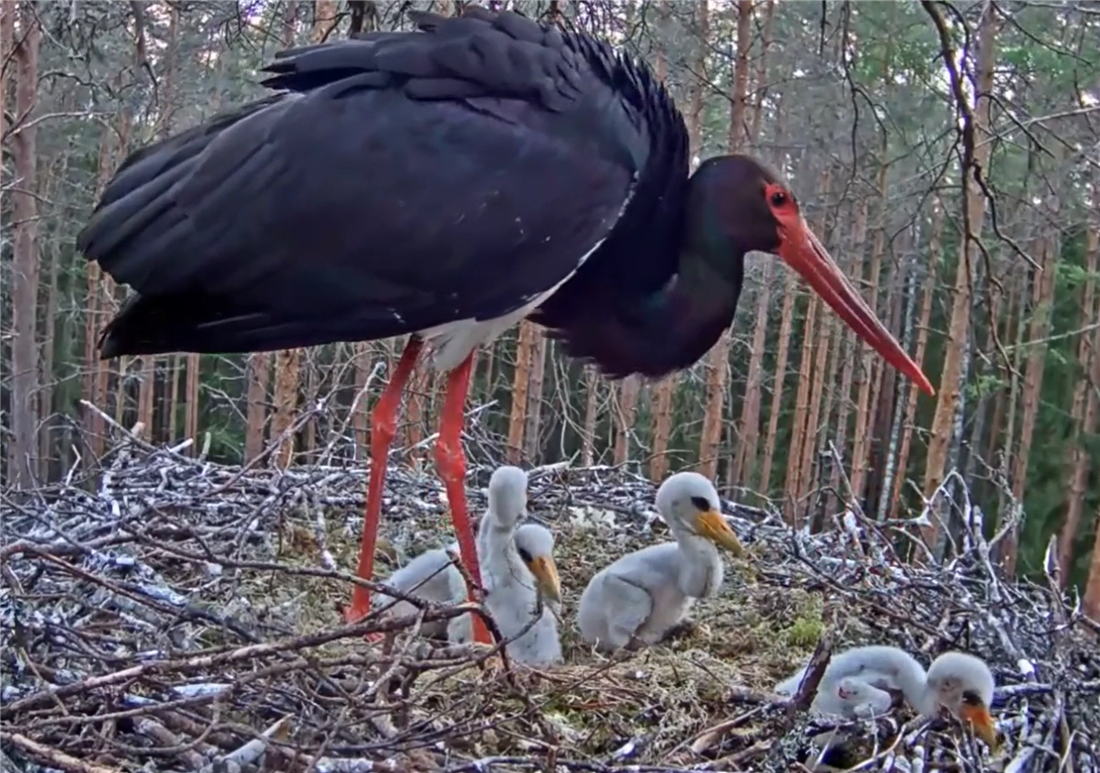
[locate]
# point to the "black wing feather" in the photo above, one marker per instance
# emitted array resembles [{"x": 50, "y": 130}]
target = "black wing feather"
[{"x": 413, "y": 179}]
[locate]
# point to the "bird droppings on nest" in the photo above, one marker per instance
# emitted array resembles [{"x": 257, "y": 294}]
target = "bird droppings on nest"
[{"x": 184, "y": 617}]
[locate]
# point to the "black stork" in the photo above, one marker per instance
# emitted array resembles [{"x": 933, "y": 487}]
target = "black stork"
[{"x": 447, "y": 183}]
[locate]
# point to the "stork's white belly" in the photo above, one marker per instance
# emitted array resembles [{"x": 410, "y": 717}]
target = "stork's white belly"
[{"x": 452, "y": 342}]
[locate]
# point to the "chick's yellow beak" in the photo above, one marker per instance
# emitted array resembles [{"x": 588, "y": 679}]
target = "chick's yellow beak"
[
  {"x": 546, "y": 575},
  {"x": 981, "y": 721},
  {"x": 713, "y": 526}
]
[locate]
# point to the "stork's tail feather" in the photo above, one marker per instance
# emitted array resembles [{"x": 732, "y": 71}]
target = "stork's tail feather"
[
  {"x": 206, "y": 324},
  {"x": 188, "y": 323}
]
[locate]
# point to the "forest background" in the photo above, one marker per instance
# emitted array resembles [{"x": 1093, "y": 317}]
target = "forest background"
[{"x": 946, "y": 153}]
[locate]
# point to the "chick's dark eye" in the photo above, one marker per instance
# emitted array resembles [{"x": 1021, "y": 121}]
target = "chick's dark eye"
[
  {"x": 523, "y": 554},
  {"x": 701, "y": 503},
  {"x": 971, "y": 698},
  {"x": 779, "y": 198}
]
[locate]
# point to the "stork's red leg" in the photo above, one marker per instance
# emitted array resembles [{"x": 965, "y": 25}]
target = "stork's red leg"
[
  {"x": 383, "y": 427},
  {"x": 451, "y": 460}
]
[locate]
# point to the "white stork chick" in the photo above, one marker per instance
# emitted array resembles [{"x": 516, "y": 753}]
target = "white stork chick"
[
  {"x": 640, "y": 598},
  {"x": 430, "y": 576},
  {"x": 961, "y": 683}
]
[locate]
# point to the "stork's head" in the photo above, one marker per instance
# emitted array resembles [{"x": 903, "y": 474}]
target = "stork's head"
[
  {"x": 535, "y": 545},
  {"x": 689, "y": 503},
  {"x": 508, "y": 495},
  {"x": 737, "y": 205}
]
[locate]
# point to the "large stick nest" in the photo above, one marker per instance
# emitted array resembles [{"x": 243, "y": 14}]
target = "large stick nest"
[{"x": 184, "y": 617}]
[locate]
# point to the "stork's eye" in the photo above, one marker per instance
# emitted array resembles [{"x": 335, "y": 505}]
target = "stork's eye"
[
  {"x": 971, "y": 698},
  {"x": 701, "y": 504},
  {"x": 779, "y": 198},
  {"x": 524, "y": 555}
]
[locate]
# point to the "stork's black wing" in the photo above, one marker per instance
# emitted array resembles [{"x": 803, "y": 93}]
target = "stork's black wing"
[{"x": 408, "y": 180}]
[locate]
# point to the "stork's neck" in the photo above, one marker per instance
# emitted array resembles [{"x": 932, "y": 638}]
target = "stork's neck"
[
  {"x": 685, "y": 319},
  {"x": 701, "y": 569},
  {"x": 502, "y": 565}
]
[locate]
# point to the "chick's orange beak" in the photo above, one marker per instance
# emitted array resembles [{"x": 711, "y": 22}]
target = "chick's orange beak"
[
  {"x": 800, "y": 249},
  {"x": 546, "y": 575},
  {"x": 713, "y": 526},
  {"x": 981, "y": 721}
]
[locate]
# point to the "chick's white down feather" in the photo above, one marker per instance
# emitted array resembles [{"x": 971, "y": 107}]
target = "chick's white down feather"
[
  {"x": 506, "y": 551},
  {"x": 639, "y": 598},
  {"x": 854, "y": 676},
  {"x": 512, "y": 589}
]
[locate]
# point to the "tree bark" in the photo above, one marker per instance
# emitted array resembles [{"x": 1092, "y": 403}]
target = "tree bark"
[
  {"x": 1090, "y": 604},
  {"x": 871, "y": 364},
  {"x": 744, "y": 461},
  {"x": 517, "y": 422},
  {"x": 588, "y": 433},
  {"x": 840, "y": 439},
  {"x": 786, "y": 324},
  {"x": 24, "y": 289},
  {"x": 625, "y": 416},
  {"x": 959, "y": 328},
  {"x": 658, "y": 463},
  {"x": 259, "y": 372},
  {"x": 666, "y": 387},
  {"x": 718, "y": 358},
  {"x": 1083, "y": 413},
  {"x": 792, "y": 494},
  {"x": 927, "y": 291},
  {"x": 1033, "y": 380},
  {"x": 533, "y": 430}
]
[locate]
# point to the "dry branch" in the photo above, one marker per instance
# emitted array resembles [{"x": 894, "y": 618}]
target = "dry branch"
[{"x": 173, "y": 614}]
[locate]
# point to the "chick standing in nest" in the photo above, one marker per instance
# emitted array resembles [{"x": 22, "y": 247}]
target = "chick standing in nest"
[
  {"x": 643, "y": 597},
  {"x": 961, "y": 683},
  {"x": 518, "y": 571},
  {"x": 518, "y": 563}
]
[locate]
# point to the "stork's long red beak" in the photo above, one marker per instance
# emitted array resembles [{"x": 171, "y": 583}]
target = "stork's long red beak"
[{"x": 802, "y": 251}]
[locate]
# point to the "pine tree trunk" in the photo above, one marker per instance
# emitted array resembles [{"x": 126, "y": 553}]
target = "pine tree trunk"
[
  {"x": 1083, "y": 413},
  {"x": 259, "y": 371},
  {"x": 847, "y": 373},
  {"x": 718, "y": 358},
  {"x": 927, "y": 292},
  {"x": 588, "y": 433},
  {"x": 517, "y": 421},
  {"x": 666, "y": 387},
  {"x": 950, "y": 384},
  {"x": 744, "y": 460},
  {"x": 23, "y": 463},
  {"x": 49, "y": 337},
  {"x": 363, "y": 353},
  {"x": 823, "y": 341},
  {"x": 792, "y": 493},
  {"x": 288, "y": 361},
  {"x": 1033, "y": 378},
  {"x": 786, "y": 324},
  {"x": 658, "y": 463},
  {"x": 533, "y": 430},
  {"x": 901, "y": 400},
  {"x": 1090, "y": 604},
  {"x": 871, "y": 364}
]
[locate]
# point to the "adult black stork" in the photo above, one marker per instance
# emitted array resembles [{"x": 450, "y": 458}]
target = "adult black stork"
[{"x": 447, "y": 183}]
